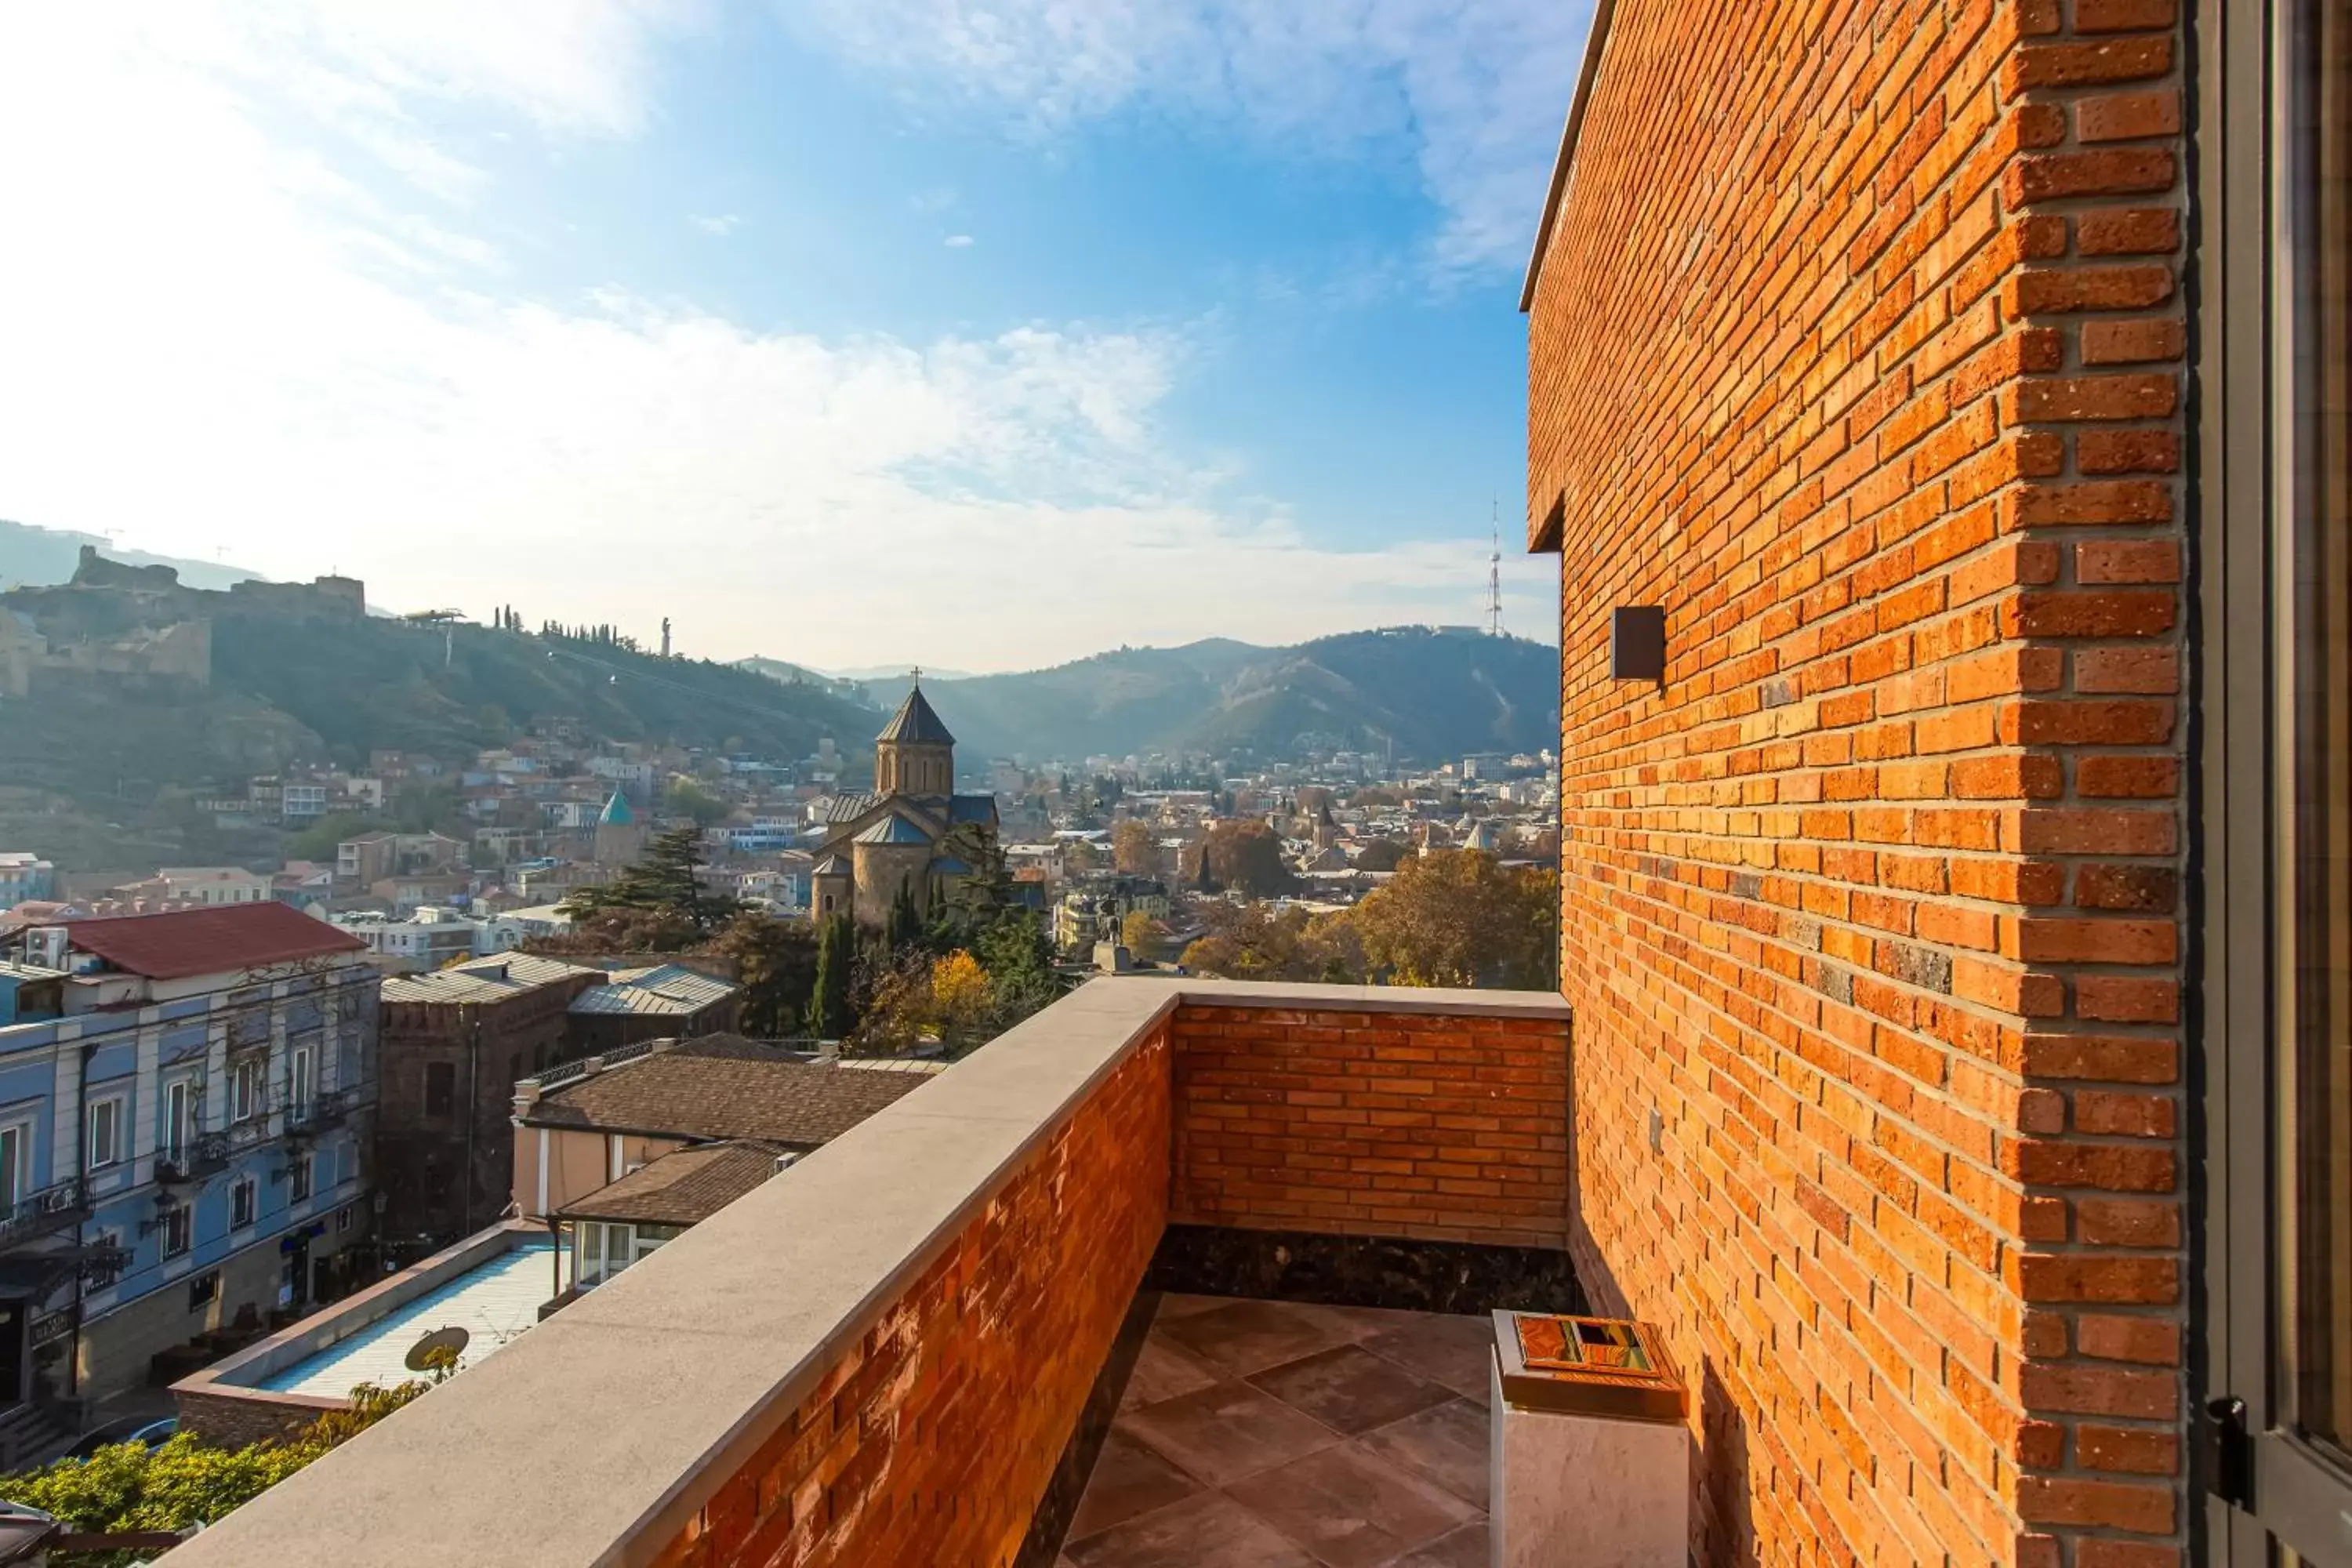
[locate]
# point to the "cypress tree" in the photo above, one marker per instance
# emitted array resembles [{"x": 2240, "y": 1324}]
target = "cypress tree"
[
  {"x": 905, "y": 926},
  {"x": 836, "y": 951}
]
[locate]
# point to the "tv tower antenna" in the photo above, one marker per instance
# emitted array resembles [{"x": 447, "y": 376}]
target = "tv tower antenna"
[{"x": 1494, "y": 569}]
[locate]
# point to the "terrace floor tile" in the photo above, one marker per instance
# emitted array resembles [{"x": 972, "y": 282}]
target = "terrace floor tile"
[
  {"x": 1209, "y": 1530},
  {"x": 1244, "y": 1337},
  {"x": 1225, "y": 1432},
  {"x": 1349, "y": 1507},
  {"x": 1458, "y": 1352},
  {"x": 1447, "y": 1443},
  {"x": 1349, "y": 1389}
]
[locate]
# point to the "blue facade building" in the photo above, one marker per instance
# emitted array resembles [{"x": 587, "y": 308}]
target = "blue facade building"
[
  {"x": 182, "y": 1107},
  {"x": 25, "y": 878}
]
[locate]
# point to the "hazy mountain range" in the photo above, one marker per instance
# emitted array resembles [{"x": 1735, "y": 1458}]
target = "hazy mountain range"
[{"x": 1427, "y": 693}]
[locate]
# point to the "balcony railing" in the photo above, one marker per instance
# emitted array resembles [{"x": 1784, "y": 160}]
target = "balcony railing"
[
  {"x": 321, "y": 1113},
  {"x": 194, "y": 1159},
  {"x": 962, "y": 1262},
  {"x": 251, "y": 1130},
  {"x": 44, "y": 1213}
]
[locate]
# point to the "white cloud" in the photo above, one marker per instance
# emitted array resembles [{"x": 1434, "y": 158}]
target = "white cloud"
[
  {"x": 1474, "y": 95},
  {"x": 223, "y": 338},
  {"x": 958, "y": 242},
  {"x": 719, "y": 223}
]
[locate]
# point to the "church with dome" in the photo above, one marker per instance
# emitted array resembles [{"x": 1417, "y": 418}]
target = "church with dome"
[{"x": 897, "y": 835}]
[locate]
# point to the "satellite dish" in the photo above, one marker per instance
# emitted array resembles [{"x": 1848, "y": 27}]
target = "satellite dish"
[{"x": 451, "y": 1339}]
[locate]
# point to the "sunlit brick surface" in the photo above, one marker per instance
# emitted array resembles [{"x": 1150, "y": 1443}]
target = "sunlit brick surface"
[
  {"x": 933, "y": 1440},
  {"x": 1857, "y": 346},
  {"x": 1349, "y": 1123}
]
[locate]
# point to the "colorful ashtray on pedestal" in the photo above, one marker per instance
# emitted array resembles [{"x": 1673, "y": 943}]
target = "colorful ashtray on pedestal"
[{"x": 1606, "y": 1367}]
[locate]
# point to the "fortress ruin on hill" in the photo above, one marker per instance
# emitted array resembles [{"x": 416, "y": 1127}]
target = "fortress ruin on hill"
[{"x": 115, "y": 622}]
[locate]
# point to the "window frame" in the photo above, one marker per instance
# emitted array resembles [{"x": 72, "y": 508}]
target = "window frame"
[{"x": 113, "y": 1106}]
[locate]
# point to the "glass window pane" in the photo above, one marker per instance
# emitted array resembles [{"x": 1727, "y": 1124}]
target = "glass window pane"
[{"x": 2320, "y": 1111}]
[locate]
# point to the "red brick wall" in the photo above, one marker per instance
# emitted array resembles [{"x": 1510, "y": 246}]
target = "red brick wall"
[
  {"x": 1391, "y": 1124},
  {"x": 1857, "y": 345},
  {"x": 932, "y": 1440}
]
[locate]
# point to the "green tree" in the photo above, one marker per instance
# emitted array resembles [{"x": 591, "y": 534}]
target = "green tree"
[
  {"x": 829, "y": 1016},
  {"x": 903, "y": 928},
  {"x": 776, "y": 961},
  {"x": 1247, "y": 856},
  {"x": 661, "y": 881},
  {"x": 185, "y": 1482},
  {"x": 691, "y": 798},
  {"x": 1253, "y": 942},
  {"x": 1134, "y": 849},
  {"x": 1143, "y": 935},
  {"x": 427, "y": 805},
  {"x": 317, "y": 841},
  {"x": 1459, "y": 917}
]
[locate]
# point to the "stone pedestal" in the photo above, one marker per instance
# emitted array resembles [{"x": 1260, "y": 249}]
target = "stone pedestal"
[{"x": 1585, "y": 1491}]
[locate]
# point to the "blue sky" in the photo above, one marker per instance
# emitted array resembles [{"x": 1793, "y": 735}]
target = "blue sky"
[{"x": 981, "y": 334}]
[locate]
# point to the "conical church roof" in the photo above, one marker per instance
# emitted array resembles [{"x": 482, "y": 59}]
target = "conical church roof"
[
  {"x": 616, "y": 812},
  {"x": 915, "y": 722}
]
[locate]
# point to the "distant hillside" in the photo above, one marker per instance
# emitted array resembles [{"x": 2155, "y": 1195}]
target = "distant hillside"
[
  {"x": 1432, "y": 693},
  {"x": 99, "y": 770},
  {"x": 35, "y": 557},
  {"x": 365, "y": 684}
]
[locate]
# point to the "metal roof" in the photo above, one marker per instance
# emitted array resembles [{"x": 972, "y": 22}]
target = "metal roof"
[
  {"x": 617, "y": 813},
  {"x": 915, "y": 722},
  {"x": 660, "y": 988},
  {"x": 971, "y": 808},
  {"x": 483, "y": 980},
  {"x": 185, "y": 942},
  {"x": 850, "y": 807},
  {"x": 893, "y": 829}
]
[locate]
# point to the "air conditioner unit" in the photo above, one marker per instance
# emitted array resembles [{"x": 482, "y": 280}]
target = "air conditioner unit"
[{"x": 786, "y": 1161}]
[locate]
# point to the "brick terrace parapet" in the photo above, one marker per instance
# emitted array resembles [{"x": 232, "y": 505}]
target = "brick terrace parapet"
[{"x": 878, "y": 1356}]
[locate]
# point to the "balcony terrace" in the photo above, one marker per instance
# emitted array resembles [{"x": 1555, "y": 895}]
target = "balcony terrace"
[{"x": 914, "y": 1344}]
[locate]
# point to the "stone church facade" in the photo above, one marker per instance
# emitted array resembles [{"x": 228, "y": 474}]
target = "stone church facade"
[{"x": 898, "y": 836}]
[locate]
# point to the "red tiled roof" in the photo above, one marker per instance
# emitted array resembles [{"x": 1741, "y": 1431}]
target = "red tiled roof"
[{"x": 210, "y": 942}]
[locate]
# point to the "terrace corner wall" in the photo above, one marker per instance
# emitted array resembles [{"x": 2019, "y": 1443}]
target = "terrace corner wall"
[
  {"x": 932, "y": 1438},
  {"x": 1857, "y": 345},
  {"x": 1346, "y": 1123}
]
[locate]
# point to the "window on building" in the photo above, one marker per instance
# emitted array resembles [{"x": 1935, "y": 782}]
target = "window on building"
[
  {"x": 177, "y": 1228},
  {"x": 297, "y": 1176},
  {"x": 179, "y": 1118},
  {"x": 440, "y": 1087},
  {"x": 202, "y": 1290},
  {"x": 16, "y": 1164},
  {"x": 249, "y": 1087},
  {"x": 105, "y": 1132},
  {"x": 243, "y": 1199},
  {"x": 301, "y": 1081}
]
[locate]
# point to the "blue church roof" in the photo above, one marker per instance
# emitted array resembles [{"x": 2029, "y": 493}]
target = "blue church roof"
[
  {"x": 617, "y": 813},
  {"x": 893, "y": 829}
]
